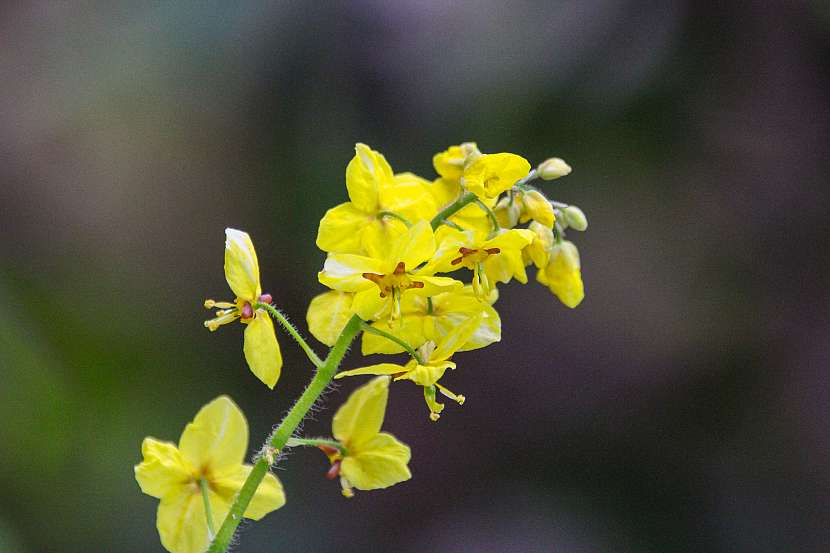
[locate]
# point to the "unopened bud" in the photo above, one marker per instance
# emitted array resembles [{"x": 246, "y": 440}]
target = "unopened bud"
[
  {"x": 575, "y": 217},
  {"x": 538, "y": 208},
  {"x": 553, "y": 168},
  {"x": 507, "y": 212},
  {"x": 471, "y": 152}
]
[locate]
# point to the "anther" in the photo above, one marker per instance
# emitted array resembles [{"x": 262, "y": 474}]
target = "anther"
[
  {"x": 400, "y": 268},
  {"x": 247, "y": 311},
  {"x": 334, "y": 471},
  {"x": 434, "y": 417}
]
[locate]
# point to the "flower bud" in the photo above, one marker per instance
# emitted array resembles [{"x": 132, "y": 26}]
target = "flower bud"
[
  {"x": 507, "y": 212},
  {"x": 553, "y": 168},
  {"x": 575, "y": 217},
  {"x": 538, "y": 208},
  {"x": 471, "y": 152}
]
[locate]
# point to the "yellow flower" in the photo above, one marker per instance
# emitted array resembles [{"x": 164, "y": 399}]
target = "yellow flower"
[
  {"x": 536, "y": 207},
  {"x": 538, "y": 251},
  {"x": 380, "y": 281},
  {"x": 497, "y": 259},
  {"x": 450, "y": 163},
  {"x": 262, "y": 351},
  {"x": 492, "y": 174},
  {"x": 429, "y": 319},
  {"x": 369, "y": 459},
  {"x": 209, "y": 456},
  {"x": 368, "y": 222},
  {"x": 562, "y": 274},
  {"x": 434, "y": 362}
]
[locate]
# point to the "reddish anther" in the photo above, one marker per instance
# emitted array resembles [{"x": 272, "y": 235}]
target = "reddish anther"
[
  {"x": 247, "y": 311},
  {"x": 334, "y": 471}
]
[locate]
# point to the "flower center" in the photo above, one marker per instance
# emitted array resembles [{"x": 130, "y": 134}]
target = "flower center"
[
  {"x": 472, "y": 257},
  {"x": 395, "y": 282}
]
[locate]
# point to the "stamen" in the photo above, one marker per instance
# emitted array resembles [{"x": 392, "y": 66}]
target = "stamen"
[
  {"x": 334, "y": 471},
  {"x": 493, "y": 251},
  {"x": 247, "y": 311},
  {"x": 400, "y": 268},
  {"x": 347, "y": 488},
  {"x": 458, "y": 398},
  {"x": 222, "y": 317},
  {"x": 210, "y": 304}
]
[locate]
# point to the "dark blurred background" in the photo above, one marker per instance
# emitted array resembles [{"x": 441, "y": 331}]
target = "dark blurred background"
[{"x": 682, "y": 407}]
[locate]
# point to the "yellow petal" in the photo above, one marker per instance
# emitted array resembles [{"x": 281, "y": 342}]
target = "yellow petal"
[
  {"x": 344, "y": 272},
  {"x": 241, "y": 265},
  {"x": 340, "y": 229},
  {"x": 368, "y": 304},
  {"x": 327, "y": 314},
  {"x": 435, "y": 285},
  {"x": 182, "y": 524},
  {"x": 427, "y": 375},
  {"x": 506, "y": 266},
  {"x": 379, "y": 369},
  {"x": 492, "y": 174},
  {"x": 563, "y": 275},
  {"x": 538, "y": 208},
  {"x": 262, "y": 351},
  {"x": 450, "y": 162},
  {"x": 163, "y": 470},
  {"x": 456, "y": 338},
  {"x": 269, "y": 495},
  {"x": 377, "y": 235},
  {"x": 365, "y": 174},
  {"x": 217, "y": 438},
  {"x": 408, "y": 195},
  {"x": 379, "y": 463},
  {"x": 514, "y": 239},
  {"x": 360, "y": 418},
  {"x": 413, "y": 248}
]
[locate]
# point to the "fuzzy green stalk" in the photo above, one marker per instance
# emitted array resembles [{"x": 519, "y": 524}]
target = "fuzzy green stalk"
[
  {"x": 452, "y": 209},
  {"x": 317, "y": 442},
  {"x": 292, "y": 330},
  {"x": 278, "y": 439}
]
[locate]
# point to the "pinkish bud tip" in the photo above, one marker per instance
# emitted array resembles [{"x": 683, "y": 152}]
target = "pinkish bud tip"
[{"x": 266, "y": 298}]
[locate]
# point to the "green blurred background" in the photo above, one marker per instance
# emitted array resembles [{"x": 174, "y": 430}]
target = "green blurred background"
[{"x": 681, "y": 407}]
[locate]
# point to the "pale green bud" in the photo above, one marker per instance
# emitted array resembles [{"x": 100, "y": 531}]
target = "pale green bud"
[
  {"x": 553, "y": 168},
  {"x": 575, "y": 217}
]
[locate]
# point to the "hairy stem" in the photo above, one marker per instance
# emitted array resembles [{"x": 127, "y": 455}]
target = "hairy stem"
[
  {"x": 315, "y": 442},
  {"x": 292, "y": 330},
  {"x": 278, "y": 439}
]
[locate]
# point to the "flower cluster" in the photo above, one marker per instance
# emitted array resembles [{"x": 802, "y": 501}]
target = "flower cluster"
[
  {"x": 412, "y": 264},
  {"x": 387, "y": 245}
]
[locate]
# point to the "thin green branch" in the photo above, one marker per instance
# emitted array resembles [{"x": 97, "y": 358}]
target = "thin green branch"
[
  {"x": 452, "y": 209},
  {"x": 208, "y": 513},
  {"x": 278, "y": 439},
  {"x": 397, "y": 216},
  {"x": 292, "y": 330},
  {"x": 316, "y": 442},
  {"x": 494, "y": 221},
  {"x": 392, "y": 338}
]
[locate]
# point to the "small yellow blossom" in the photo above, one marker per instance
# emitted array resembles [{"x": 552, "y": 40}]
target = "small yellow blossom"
[
  {"x": 492, "y": 174},
  {"x": 562, "y": 274},
  {"x": 210, "y": 454},
  {"x": 379, "y": 282},
  {"x": 434, "y": 362},
  {"x": 380, "y": 202},
  {"x": 369, "y": 459},
  {"x": 536, "y": 207},
  {"x": 538, "y": 251},
  {"x": 429, "y": 319},
  {"x": 262, "y": 351},
  {"x": 497, "y": 259},
  {"x": 553, "y": 168}
]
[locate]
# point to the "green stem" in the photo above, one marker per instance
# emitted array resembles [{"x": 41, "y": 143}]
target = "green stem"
[
  {"x": 490, "y": 215},
  {"x": 397, "y": 216},
  {"x": 392, "y": 338},
  {"x": 315, "y": 442},
  {"x": 277, "y": 440},
  {"x": 292, "y": 330},
  {"x": 208, "y": 513},
  {"x": 452, "y": 209}
]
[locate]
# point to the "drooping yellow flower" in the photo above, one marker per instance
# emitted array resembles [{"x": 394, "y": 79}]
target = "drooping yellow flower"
[
  {"x": 209, "y": 456},
  {"x": 379, "y": 282},
  {"x": 563, "y": 275},
  {"x": 429, "y": 319},
  {"x": 367, "y": 223},
  {"x": 538, "y": 251},
  {"x": 497, "y": 259},
  {"x": 434, "y": 362},
  {"x": 262, "y": 351},
  {"x": 536, "y": 207},
  {"x": 369, "y": 459},
  {"x": 491, "y": 174}
]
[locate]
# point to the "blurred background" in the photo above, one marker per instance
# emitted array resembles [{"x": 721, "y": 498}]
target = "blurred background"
[{"x": 681, "y": 407}]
